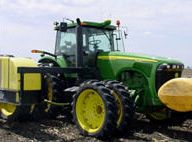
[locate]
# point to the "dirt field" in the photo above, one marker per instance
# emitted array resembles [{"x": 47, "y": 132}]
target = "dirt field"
[{"x": 178, "y": 129}]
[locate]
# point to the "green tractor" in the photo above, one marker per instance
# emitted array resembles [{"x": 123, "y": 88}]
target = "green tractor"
[
  {"x": 91, "y": 74},
  {"x": 99, "y": 47}
]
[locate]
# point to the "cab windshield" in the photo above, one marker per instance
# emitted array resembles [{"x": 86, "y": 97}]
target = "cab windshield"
[
  {"x": 66, "y": 42},
  {"x": 97, "y": 39},
  {"x": 105, "y": 40}
]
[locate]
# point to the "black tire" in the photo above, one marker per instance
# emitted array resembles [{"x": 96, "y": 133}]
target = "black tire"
[
  {"x": 54, "y": 92},
  {"x": 125, "y": 105},
  {"x": 108, "y": 125}
]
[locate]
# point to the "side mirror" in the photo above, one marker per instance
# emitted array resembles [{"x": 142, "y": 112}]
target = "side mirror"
[
  {"x": 125, "y": 31},
  {"x": 62, "y": 26},
  {"x": 125, "y": 34},
  {"x": 78, "y": 21}
]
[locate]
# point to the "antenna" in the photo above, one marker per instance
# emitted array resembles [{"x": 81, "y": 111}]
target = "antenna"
[{"x": 67, "y": 19}]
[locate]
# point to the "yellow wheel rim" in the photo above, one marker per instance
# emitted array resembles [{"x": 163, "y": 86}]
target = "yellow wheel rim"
[
  {"x": 7, "y": 109},
  {"x": 159, "y": 115},
  {"x": 119, "y": 108},
  {"x": 90, "y": 110}
]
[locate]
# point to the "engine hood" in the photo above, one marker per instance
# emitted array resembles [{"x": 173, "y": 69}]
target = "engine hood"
[{"x": 137, "y": 57}]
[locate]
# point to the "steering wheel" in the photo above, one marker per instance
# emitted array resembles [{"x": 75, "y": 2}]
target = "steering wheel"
[{"x": 94, "y": 42}]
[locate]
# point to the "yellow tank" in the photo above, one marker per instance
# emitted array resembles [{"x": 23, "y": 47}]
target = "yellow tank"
[
  {"x": 10, "y": 79},
  {"x": 4, "y": 78},
  {"x": 176, "y": 94}
]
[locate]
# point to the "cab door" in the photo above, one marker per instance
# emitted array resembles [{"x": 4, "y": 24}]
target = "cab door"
[{"x": 95, "y": 41}]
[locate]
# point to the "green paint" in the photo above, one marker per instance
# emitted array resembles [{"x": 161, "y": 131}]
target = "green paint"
[
  {"x": 106, "y": 24},
  {"x": 137, "y": 71},
  {"x": 49, "y": 59}
]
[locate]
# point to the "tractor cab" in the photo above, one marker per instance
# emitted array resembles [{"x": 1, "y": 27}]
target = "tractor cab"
[{"x": 80, "y": 43}]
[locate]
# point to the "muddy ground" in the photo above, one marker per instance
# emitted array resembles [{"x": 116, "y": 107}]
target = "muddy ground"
[{"x": 61, "y": 129}]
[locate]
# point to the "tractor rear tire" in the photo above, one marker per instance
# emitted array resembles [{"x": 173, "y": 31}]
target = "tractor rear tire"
[
  {"x": 125, "y": 104},
  {"x": 94, "y": 110},
  {"x": 53, "y": 93}
]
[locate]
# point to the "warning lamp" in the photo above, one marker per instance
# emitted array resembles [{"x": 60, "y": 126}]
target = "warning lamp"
[
  {"x": 118, "y": 23},
  {"x": 36, "y": 51}
]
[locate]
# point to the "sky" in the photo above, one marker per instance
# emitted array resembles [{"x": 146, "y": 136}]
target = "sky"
[{"x": 155, "y": 27}]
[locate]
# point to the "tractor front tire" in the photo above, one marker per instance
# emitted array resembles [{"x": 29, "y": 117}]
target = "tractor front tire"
[
  {"x": 125, "y": 104},
  {"x": 94, "y": 110}
]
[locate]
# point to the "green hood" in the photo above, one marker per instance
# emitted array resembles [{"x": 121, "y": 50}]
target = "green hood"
[{"x": 137, "y": 57}]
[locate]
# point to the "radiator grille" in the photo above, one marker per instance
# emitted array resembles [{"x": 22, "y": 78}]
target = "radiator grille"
[{"x": 166, "y": 72}]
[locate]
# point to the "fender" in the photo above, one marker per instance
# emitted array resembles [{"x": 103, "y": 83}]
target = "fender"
[{"x": 57, "y": 62}]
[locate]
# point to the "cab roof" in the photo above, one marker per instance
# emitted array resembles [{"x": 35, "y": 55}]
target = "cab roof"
[{"x": 105, "y": 25}]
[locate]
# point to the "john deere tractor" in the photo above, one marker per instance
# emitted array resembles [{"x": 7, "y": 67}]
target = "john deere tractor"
[{"x": 89, "y": 74}]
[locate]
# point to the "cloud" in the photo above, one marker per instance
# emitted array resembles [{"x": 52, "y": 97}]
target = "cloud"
[
  {"x": 147, "y": 33},
  {"x": 79, "y": 2},
  {"x": 42, "y": 5},
  {"x": 154, "y": 25}
]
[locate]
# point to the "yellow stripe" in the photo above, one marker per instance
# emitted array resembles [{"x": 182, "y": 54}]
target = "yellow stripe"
[{"x": 125, "y": 58}]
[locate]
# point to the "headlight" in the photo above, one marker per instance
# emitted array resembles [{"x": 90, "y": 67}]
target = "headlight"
[
  {"x": 163, "y": 67},
  {"x": 168, "y": 66},
  {"x": 174, "y": 66}
]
